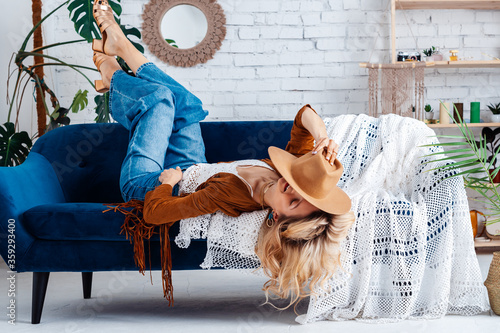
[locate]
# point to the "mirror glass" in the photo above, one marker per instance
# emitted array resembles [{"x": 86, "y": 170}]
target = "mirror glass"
[{"x": 184, "y": 26}]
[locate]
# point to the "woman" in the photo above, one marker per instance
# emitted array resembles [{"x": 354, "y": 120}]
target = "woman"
[{"x": 298, "y": 245}]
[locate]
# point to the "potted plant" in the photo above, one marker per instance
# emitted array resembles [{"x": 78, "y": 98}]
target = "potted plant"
[
  {"x": 429, "y": 112},
  {"x": 15, "y": 146},
  {"x": 429, "y": 53},
  {"x": 491, "y": 144},
  {"x": 495, "y": 110},
  {"x": 476, "y": 161},
  {"x": 468, "y": 158}
]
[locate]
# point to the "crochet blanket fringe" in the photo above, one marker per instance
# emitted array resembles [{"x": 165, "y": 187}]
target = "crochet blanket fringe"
[{"x": 137, "y": 230}]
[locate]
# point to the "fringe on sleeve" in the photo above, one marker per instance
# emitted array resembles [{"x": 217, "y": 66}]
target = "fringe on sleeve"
[{"x": 137, "y": 230}]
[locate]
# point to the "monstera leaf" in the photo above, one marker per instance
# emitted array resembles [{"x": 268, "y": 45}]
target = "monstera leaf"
[
  {"x": 101, "y": 109},
  {"x": 14, "y": 147},
  {"x": 58, "y": 118},
  {"x": 80, "y": 101},
  {"x": 81, "y": 15}
]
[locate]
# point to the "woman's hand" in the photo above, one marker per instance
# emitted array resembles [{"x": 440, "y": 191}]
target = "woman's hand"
[
  {"x": 171, "y": 176},
  {"x": 332, "y": 148}
]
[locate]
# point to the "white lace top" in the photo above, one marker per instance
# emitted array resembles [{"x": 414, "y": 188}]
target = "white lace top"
[
  {"x": 197, "y": 174},
  {"x": 198, "y": 227}
]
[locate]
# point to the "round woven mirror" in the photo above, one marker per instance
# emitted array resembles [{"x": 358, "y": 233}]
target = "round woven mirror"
[{"x": 183, "y": 32}]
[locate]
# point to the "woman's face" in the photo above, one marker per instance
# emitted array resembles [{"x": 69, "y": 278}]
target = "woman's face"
[{"x": 285, "y": 201}]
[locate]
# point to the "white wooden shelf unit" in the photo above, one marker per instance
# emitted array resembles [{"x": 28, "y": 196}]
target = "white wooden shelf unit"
[{"x": 442, "y": 4}]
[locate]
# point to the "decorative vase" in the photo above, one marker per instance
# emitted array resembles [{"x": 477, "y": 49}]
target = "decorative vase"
[
  {"x": 496, "y": 180},
  {"x": 429, "y": 115},
  {"x": 437, "y": 57},
  {"x": 493, "y": 232},
  {"x": 458, "y": 111},
  {"x": 444, "y": 116},
  {"x": 429, "y": 58},
  {"x": 475, "y": 109},
  {"x": 495, "y": 118},
  {"x": 492, "y": 283}
]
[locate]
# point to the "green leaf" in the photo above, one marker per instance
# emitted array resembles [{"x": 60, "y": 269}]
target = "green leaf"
[
  {"x": 454, "y": 164},
  {"x": 463, "y": 156},
  {"x": 450, "y": 136},
  {"x": 495, "y": 172},
  {"x": 477, "y": 187},
  {"x": 58, "y": 119},
  {"x": 81, "y": 15},
  {"x": 493, "y": 221},
  {"x": 471, "y": 171},
  {"x": 482, "y": 149},
  {"x": 14, "y": 147},
  {"x": 452, "y": 151},
  {"x": 482, "y": 179},
  {"x": 445, "y": 144},
  {"x": 80, "y": 101},
  {"x": 171, "y": 42},
  {"x": 494, "y": 158},
  {"x": 457, "y": 165},
  {"x": 102, "y": 108}
]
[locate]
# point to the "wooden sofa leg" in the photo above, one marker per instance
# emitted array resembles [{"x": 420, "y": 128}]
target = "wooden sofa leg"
[
  {"x": 40, "y": 281},
  {"x": 87, "y": 284}
]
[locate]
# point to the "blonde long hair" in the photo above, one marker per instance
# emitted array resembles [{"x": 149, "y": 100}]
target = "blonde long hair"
[{"x": 298, "y": 254}]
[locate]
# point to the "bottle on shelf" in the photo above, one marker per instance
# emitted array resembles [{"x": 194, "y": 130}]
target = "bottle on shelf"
[{"x": 454, "y": 56}]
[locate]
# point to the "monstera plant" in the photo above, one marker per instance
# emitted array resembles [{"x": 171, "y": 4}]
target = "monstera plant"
[
  {"x": 85, "y": 26},
  {"x": 15, "y": 146}
]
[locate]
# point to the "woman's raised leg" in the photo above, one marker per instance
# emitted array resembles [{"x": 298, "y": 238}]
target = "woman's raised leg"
[
  {"x": 186, "y": 143},
  {"x": 186, "y": 146},
  {"x": 147, "y": 110}
]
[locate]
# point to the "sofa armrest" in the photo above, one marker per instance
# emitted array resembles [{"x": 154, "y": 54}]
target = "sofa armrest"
[{"x": 22, "y": 187}]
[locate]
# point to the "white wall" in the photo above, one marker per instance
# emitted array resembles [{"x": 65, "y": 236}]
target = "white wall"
[
  {"x": 15, "y": 23},
  {"x": 279, "y": 55}
]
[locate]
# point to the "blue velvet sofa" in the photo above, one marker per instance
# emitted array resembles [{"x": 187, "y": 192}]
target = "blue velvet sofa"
[{"x": 53, "y": 202}]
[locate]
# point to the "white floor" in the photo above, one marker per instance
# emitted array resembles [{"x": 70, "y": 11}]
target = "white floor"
[{"x": 205, "y": 301}]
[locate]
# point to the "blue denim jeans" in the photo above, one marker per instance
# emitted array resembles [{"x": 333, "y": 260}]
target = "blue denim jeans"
[{"x": 163, "y": 119}]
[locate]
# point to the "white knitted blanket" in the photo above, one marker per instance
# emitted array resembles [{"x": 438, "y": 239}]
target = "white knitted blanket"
[{"x": 410, "y": 253}]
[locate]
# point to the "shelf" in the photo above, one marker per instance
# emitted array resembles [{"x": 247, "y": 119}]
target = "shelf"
[
  {"x": 452, "y": 64},
  {"x": 436, "y": 4},
  {"x": 464, "y": 64},
  {"x": 447, "y": 4},
  {"x": 482, "y": 245},
  {"x": 468, "y": 125}
]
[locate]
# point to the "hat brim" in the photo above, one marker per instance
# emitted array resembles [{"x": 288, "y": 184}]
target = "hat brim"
[{"x": 336, "y": 202}]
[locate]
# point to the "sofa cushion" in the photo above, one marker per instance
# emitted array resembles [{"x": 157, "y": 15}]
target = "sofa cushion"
[
  {"x": 86, "y": 159},
  {"x": 74, "y": 221}
]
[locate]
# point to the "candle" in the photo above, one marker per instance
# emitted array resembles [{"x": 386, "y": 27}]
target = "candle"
[
  {"x": 459, "y": 111},
  {"x": 474, "y": 112},
  {"x": 444, "y": 117}
]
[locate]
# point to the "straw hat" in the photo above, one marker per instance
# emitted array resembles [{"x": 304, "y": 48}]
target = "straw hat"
[{"x": 313, "y": 178}]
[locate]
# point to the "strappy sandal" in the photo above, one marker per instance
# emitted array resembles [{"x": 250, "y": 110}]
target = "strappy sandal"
[
  {"x": 103, "y": 15},
  {"x": 99, "y": 58}
]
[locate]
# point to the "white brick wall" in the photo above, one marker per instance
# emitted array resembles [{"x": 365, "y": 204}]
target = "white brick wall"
[{"x": 281, "y": 54}]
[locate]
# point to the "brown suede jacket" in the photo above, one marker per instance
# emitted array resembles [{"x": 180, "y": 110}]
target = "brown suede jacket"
[{"x": 223, "y": 191}]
